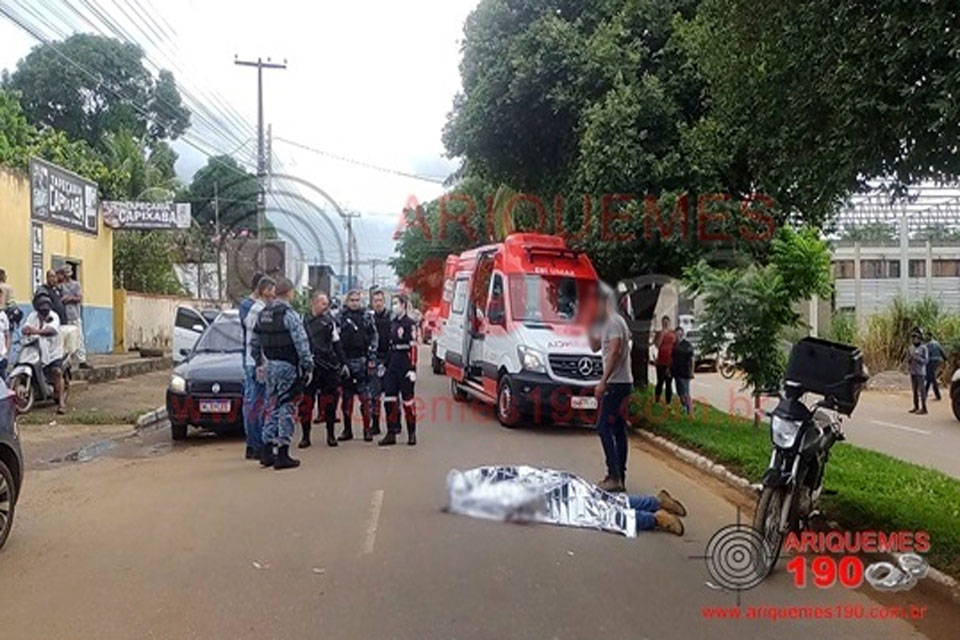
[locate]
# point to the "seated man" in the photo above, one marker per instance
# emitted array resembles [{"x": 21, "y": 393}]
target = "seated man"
[{"x": 45, "y": 324}]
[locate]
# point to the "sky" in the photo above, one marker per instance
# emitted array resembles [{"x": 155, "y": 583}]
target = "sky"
[{"x": 370, "y": 80}]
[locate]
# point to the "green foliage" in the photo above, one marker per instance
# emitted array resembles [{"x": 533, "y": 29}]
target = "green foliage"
[
  {"x": 861, "y": 478},
  {"x": 843, "y": 328},
  {"x": 142, "y": 261},
  {"x": 872, "y": 232},
  {"x": 885, "y": 339},
  {"x": 108, "y": 89},
  {"x": 236, "y": 190},
  {"x": 748, "y": 309},
  {"x": 820, "y": 96}
]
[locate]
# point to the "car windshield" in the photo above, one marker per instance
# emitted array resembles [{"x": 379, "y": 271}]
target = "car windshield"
[
  {"x": 223, "y": 336},
  {"x": 549, "y": 299}
]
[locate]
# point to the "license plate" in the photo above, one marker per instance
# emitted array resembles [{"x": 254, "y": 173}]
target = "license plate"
[
  {"x": 583, "y": 402},
  {"x": 214, "y": 406}
]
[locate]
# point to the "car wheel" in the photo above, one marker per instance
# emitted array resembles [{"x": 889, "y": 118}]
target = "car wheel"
[
  {"x": 8, "y": 502},
  {"x": 507, "y": 412},
  {"x": 178, "y": 431},
  {"x": 436, "y": 364},
  {"x": 955, "y": 399},
  {"x": 459, "y": 395},
  {"x": 22, "y": 386}
]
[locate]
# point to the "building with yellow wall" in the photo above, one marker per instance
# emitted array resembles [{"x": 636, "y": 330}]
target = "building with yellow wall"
[{"x": 92, "y": 256}]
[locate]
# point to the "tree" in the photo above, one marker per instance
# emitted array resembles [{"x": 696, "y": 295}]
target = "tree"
[
  {"x": 748, "y": 310},
  {"x": 236, "y": 190},
  {"x": 822, "y": 95},
  {"x": 876, "y": 232},
  {"x": 105, "y": 88}
]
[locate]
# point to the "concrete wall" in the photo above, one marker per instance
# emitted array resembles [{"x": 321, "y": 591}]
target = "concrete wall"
[
  {"x": 145, "y": 321},
  {"x": 95, "y": 255}
]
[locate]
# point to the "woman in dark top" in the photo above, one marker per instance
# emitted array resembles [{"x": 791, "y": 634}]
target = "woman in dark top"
[{"x": 681, "y": 369}]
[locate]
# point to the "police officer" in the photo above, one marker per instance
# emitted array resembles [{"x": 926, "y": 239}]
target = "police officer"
[
  {"x": 381, "y": 317},
  {"x": 398, "y": 382},
  {"x": 358, "y": 334},
  {"x": 280, "y": 340},
  {"x": 328, "y": 367}
]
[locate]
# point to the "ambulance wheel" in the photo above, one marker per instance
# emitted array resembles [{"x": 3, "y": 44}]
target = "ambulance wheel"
[
  {"x": 507, "y": 412},
  {"x": 459, "y": 395}
]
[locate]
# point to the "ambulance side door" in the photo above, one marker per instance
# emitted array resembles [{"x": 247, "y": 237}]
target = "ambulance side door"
[{"x": 452, "y": 337}]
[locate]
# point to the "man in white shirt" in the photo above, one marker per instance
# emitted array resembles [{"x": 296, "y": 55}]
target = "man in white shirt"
[
  {"x": 45, "y": 324},
  {"x": 254, "y": 389}
]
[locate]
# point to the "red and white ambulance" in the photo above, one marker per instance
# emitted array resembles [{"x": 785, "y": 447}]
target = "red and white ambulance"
[{"x": 515, "y": 334}]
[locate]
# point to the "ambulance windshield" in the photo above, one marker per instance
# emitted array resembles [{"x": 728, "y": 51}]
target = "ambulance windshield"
[{"x": 549, "y": 299}]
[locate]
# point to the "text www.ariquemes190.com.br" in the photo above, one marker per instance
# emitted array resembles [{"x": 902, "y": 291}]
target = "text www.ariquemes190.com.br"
[{"x": 833, "y": 612}]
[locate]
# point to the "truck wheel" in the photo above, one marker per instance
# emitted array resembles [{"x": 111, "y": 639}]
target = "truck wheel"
[
  {"x": 178, "y": 431},
  {"x": 507, "y": 412},
  {"x": 8, "y": 502},
  {"x": 436, "y": 364},
  {"x": 459, "y": 395}
]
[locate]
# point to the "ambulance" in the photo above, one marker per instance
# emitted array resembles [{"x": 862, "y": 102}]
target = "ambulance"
[{"x": 515, "y": 333}]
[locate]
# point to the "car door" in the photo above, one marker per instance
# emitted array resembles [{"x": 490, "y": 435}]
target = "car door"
[
  {"x": 452, "y": 336},
  {"x": 188, "y": 324}
]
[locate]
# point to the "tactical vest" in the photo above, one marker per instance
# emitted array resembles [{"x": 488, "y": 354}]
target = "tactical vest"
[
  {"x": 352, "y": 334},
  {"x": 274, "y": 337},
  {"x": 382, "y": 321},
  {"x": 320, "y": 331}
]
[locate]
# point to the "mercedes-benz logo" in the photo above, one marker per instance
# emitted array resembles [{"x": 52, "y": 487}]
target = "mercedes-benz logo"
[
  {"x": 216, "y": 387},
  {"x": 585, "y": 366}
]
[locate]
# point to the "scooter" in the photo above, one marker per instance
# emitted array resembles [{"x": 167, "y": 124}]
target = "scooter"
[
  {"x": 802, "y": 438},
  {"x": 28, "y": 380}
]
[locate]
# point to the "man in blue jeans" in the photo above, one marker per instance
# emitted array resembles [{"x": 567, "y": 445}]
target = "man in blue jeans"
[
  {"x": 254, "y": 389},
  {"x": 611, "y": 335}
]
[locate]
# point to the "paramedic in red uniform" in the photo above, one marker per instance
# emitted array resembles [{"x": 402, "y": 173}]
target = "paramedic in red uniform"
[{"x": 400, "y": 375}]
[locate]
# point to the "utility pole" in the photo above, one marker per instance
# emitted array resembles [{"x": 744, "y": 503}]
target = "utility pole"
[
  {"x": 261, "y": 154},
  {"x": 348, "y": 217},
  {"x": 216, "y": 222}
]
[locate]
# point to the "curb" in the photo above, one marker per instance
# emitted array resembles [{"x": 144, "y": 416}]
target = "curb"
[
  {"x": 945, "y": 585},
  {"x": 151, "y": 418}
]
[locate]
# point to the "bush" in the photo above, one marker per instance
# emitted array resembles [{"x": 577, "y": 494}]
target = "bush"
[{"x": 843, "y": 328}]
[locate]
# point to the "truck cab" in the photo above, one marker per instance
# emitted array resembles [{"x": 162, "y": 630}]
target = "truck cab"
[{"x": 516, "y": 332}]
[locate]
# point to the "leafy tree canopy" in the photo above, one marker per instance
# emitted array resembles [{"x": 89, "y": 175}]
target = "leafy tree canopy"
[{"x": 106, "y": 89}]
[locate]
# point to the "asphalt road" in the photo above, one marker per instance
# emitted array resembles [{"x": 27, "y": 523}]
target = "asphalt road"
[
  {"x": 881, "y": 422},
  {"x": 153, "y": 540}
]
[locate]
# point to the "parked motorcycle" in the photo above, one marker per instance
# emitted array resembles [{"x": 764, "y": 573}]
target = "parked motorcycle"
[
  {"x": 29, "y": 381},
  {"x": 803, "y": 435}
]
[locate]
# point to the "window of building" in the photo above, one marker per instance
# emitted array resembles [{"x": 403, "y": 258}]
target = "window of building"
[
  {"x": 843, "y": 269},
  {"x": 918, "y": 268},
  {"x": 879, "y": 269},
  {"x": 946, "y": 268}
]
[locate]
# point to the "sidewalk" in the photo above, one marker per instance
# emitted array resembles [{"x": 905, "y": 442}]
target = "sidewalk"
[
  {"x": 111, "y": 366},
  {"x": 102, "y": 411}
]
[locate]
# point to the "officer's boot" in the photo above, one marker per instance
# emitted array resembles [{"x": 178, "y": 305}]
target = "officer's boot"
[
  {"x": 284, "y": 461},
  {"x": 331, "y": 436},
  {"x": 367, "y": 432},
  {"x": 410, "y": 414},
  {"x": 267, "y": 458},
  {"x": 375, "y": 419},
  {"x": 305, "y": 440},
  {"x": 393, "y": 424},
  {"x": 347, "y": 433}
]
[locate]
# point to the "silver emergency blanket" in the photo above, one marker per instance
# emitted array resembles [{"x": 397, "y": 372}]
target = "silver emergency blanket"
[{"x": 529, "y": 494}]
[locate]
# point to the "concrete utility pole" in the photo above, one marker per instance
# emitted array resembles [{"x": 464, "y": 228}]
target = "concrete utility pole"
[
  {"x": 261, "y": 147},
  {"x": 216, "y": 221},
  {"x": 348, "y": 217}
]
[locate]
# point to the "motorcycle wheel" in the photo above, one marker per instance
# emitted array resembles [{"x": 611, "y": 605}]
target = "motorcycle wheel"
[
  {"x": 727, "y": 370},
  {"x": 767, "y": 521},
  {"x": 26, "y": 395}
]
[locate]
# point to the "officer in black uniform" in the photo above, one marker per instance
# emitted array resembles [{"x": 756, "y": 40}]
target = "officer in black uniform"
[
  {"x": 358, "y": 334},
  {"x": 400, "y": 377},
  {"x": 329, "y": 366},
  {"x": 383, "y": 319}
]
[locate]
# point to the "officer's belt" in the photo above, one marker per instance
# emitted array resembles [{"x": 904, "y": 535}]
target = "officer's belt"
[{"x": 400, "y": 347}]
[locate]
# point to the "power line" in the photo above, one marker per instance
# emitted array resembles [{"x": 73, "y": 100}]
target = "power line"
[{"x": 361, "y": 163}]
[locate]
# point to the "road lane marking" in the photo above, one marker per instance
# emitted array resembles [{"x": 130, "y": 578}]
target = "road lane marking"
[
  {"x": 370, "y": 539},
  {"x": 900, "y": 426}
]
